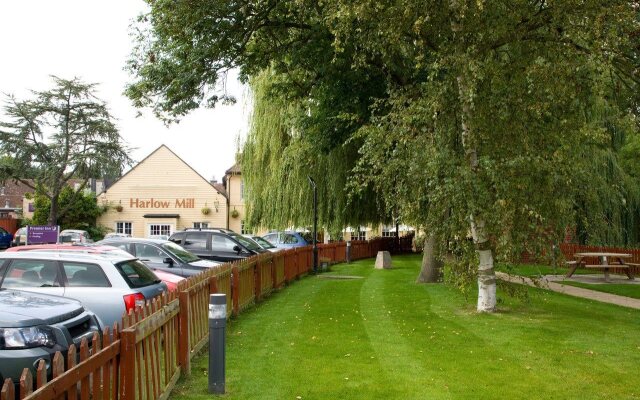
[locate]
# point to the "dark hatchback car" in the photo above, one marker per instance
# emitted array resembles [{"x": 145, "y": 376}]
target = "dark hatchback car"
[
  {"x": 217, "y": 244},
  {"x": 5, "y": 238},
  {"x": 33, "y": 326},
  {"x": 162, "y": 255}
]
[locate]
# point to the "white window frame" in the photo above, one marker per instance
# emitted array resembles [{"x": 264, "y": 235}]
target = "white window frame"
[
  {"x": 386, "y": 231},
  {"x": 243, "y": 229},
  {"x": 124, "y": 229},
  {"x": 150, "y": 232},
  {"x": 201, "y": 225}
]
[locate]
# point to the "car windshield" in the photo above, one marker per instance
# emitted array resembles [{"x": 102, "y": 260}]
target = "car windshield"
[
  {"x": 264, "y": 243},
  {"x": 180, "y": 253},
  {"x": 248, "y": 243}
]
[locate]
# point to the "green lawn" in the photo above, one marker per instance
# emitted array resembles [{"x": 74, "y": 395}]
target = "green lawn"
[
  {"x": 384, "y": 337},
  {"x": 619, "y": 289},
  {"x": 537, "y": 270}
]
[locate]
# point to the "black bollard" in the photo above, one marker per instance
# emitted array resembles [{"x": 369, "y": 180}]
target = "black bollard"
[{"x": 217, "y": 325}]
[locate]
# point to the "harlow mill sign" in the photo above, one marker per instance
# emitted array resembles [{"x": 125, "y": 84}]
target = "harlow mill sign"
[{"x": 154, "y": 203}]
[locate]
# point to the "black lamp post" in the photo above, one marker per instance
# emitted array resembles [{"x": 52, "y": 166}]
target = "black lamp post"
[{"x": 315, "y": 224}]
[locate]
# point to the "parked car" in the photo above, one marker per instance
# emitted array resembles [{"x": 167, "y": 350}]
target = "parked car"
[
  {"x": 171, "y": 280},
  {"x": 106, "y": 284},
  {"x": 34, "y": 326},
  {"x": 162, "y": 255},
  {"x": 5, "y": 238},
  {"x": 74, "y": 236},
  {"x": 161, "y": 237},
  {"x": 20, "y": 237},
  {"x": 217, "y": 244},
  {"x": 286, "y": 239},
  {"x": 116, "y": 234},
  {"x": 265, "y": 244}
]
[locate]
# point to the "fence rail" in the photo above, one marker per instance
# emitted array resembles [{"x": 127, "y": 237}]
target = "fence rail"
[{"x": 144, "y": 360}]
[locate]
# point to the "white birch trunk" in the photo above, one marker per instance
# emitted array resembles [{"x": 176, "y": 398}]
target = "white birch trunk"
[{"x": 486, "y": 273}]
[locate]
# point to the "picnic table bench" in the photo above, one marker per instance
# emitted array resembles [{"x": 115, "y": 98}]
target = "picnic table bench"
[{"x": 608, "y": 261}]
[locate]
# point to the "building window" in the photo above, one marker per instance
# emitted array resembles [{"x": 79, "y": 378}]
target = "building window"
[
  {"x": 360, "y": 234},
  {"x": 244, "y": 229},
  {"x": 123, "y": 227},
  {"x": 201, "y": 225},
  {"x": 388, "y": 231},
  {"x": 242, "y": 189},
  {"x": 160, "y": 229}
]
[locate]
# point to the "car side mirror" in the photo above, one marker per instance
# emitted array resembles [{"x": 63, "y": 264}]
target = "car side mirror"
[
  {"x": 237, "y": 249},
  {"x": 169, "y": 261}
]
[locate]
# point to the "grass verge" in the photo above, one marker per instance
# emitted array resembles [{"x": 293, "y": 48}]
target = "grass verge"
[
  {"x": 613, "y": 288},
  {"x": 385, "y": 337}
]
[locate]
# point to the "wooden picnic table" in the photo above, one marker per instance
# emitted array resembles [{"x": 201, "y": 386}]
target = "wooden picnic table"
[{"x": 607, "y": 261}]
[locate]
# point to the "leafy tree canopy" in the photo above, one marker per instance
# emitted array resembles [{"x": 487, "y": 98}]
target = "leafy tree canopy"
[
  {"x": 58, "y": 135},
  {"x": 82, "y": 211},
  {"x": 473, "y": 117}
]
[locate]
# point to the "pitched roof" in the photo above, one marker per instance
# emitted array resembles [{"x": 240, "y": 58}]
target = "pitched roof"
[
  {"x": 235, "y": 170},
  {"x": 220, "y": 187},
  {"x": 223, "y": 192}
]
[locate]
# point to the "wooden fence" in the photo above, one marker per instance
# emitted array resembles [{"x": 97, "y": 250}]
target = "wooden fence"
[
  {"x": 144, "y": 359},
  {"x": 9, "y": 224}
]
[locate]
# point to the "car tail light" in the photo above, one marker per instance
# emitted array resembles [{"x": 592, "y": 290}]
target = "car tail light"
[{"x": 131, "y": 301}]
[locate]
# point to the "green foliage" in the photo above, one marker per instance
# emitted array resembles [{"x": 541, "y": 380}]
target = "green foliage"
[
  {"x": 82, "y": 211},
  {"x": 60, "y": 134},
  {"x": 512, "y": 113},
  {"x": 277, "y": 160}
]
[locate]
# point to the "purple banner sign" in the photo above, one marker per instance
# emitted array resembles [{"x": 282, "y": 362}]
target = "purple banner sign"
[{"x": 42, "y": 234}]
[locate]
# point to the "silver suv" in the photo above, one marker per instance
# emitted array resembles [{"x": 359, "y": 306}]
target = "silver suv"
[
  {"x": 107, "y": 284},
  {"x": 34, "y": 326}
]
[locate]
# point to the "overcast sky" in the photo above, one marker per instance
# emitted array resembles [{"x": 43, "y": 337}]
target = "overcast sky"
[{"x": 90, "y": 39}]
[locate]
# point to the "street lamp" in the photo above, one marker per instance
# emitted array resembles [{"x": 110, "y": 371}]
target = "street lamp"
[{"x": 315, "y": 224}]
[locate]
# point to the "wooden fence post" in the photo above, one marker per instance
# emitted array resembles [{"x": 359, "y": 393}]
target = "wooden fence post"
[
  {"x": 128, "y": 364},
  {"x": 213, "y": 284},
  {"x": 184, "y": 347},
  {"x": 257, "y": 276},
  {"x": 235, "y": 290},
  {"x": 274, "y": 272},
  {"x": 26, "y": 383},
  {"x": 295, "y": 263},
  {"x": 8, "y": 390}
]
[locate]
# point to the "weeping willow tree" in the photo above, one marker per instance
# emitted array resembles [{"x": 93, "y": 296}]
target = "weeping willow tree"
[
  {"x": 608, "y": 207},
  {"x": 279, "y": 156}
]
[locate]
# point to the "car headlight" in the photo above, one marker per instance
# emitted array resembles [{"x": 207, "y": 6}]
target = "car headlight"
[{"x": 24, "y": 338}]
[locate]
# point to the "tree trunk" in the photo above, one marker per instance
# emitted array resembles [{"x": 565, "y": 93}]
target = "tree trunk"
[
  {"x": 431, "y": 270},
  {"x": 53, "y": 211},
  {"x": 486, "y": 273}
]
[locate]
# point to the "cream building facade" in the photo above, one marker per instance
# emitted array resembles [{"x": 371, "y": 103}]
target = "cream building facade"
[
  {"x": 234, "y": 186},
  {"x": 160, "y": 195}
]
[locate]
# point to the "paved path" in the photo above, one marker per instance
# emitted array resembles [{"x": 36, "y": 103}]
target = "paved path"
[{"x": 572, "y": 290}]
